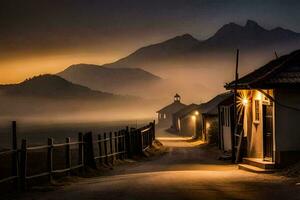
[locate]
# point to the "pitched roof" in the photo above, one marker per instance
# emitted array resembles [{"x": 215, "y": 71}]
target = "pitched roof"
[
  {"x": 283, "y": 71},
  {"x": 211, "y": 107},
  {"x": 172, "y": 108},
  {"x": 177, "y": 95},
  {"x": 186, "y": 110}
]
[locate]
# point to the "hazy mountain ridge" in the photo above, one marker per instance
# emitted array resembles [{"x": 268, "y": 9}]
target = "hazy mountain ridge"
[
  {"x": 176, "y": 46},
  {"x": 248, "y": 38},
  {"x": 83, "y": 83},
  {"x": 50, "y": 96},
  {"x": 115, "y": 80},
  {"x": 52, "y": 86}
]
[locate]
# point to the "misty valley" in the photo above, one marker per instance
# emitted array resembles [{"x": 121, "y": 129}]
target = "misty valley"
[
  {"x": 153, "y": 74},
  {"x": 181, "y": 118},
  {"x": 136, "y": 86}
]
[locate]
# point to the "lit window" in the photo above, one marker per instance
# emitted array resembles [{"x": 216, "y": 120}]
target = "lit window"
[{"x": 165, "y": 116}]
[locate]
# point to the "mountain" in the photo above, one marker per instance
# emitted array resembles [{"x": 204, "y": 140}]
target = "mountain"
[
  {"x": 251, "y": 36},
  {"x": 199, "y": 69},
  {"x": 178, "y": 51},
  {"x": 51, "y": 86},
  {"x": 50, "y": 96},
  {"x": 115, "y": 80},
  {"x": 162, "y": 51}
]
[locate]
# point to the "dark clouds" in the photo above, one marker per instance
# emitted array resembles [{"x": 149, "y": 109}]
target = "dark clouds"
[{"x": 51, "y": 26}]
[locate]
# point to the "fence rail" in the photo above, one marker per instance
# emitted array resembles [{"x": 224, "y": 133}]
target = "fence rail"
[
  {"x": 108, "y": 147},
  {"x": 50, "y": 169}
]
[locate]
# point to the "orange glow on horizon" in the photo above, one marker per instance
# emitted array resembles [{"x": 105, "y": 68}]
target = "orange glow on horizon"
[{"x": 17, "y": 70}]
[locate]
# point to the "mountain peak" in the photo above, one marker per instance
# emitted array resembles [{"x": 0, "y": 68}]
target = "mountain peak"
[
  {"x": 44, "y": 78},
  {"x": 185, "y": 38},
  {"x": 251, "y": 23}
]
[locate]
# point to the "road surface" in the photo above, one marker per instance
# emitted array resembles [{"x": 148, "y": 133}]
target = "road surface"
[{"x": 187, "y": 171}]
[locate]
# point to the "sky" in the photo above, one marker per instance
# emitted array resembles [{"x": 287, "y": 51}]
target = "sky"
[{"x": 46, "y": 36}]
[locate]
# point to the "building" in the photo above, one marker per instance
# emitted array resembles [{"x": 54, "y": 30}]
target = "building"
[
  {"x": 186, "y": 121},
  {"x": 165, "y": 114},
  {"x": 269, "y": 105},
  {"x": 201, "y": 120},
  {"x": 226, "y": 123},
  {"x": 210, "y": 119}
]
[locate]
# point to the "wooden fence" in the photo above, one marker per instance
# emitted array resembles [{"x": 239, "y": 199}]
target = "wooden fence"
[
  {"x": 105, "y": 149},
  {"x": 14, "y": 176}
]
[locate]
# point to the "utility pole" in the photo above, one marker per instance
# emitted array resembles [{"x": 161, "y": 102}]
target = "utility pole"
[
  {"x": 276, "y": 55},
  {"x": 235, "y": 105}
]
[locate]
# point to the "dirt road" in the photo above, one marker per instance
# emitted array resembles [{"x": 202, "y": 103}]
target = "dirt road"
[{"x": 187, "y": 171}]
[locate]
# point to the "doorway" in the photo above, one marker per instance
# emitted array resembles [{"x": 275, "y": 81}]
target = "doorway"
[{"x": 268, "y": 132}]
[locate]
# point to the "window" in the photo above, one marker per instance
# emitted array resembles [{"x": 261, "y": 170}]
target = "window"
[
  {"x": 165, "y": 116},
  {"x": 256, "y": 112}
]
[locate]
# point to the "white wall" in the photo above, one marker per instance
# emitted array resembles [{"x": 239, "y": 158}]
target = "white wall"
[
  {"x": 227, "y": 137},
  {"x": 253, "y": 131}
]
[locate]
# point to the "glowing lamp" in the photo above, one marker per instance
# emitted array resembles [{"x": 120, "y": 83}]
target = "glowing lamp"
[
  {"x": 245, "y": 101},
  {"x": 207, "y": 125},
  {"x": 196, "y": 113}
]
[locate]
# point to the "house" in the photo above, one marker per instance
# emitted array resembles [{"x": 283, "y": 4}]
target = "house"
[
  {"x": 165, "y": 114},
  {"x": 269, "y": 104},
  {"x": 201, "y": 120},
  {"x": 210, "y": 120},
  {"x": 186, "y": 121},
  {"x": 226, "y": 123}
]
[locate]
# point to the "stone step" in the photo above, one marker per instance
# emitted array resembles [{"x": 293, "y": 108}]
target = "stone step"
[
  {"x": 259, "y": 163},
  {"x": 255, "y": 169}
]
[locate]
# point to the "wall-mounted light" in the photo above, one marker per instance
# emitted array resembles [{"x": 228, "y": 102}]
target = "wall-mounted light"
[
  {"x": 207, "y": 125},
  {"x": 245, "y": 101},
  {"x": 197, "y": 112}
]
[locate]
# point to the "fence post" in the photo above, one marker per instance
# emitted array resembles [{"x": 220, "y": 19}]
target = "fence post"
[
  {"x": 15, "y": 153},
  {"x": 105, "y": 148},
  {"x": 111, "y": 147},
  {"x": 153, "y": 127},
  {"x": 140, "y": 141},
  {"x": 151, "y": 133},
  {"x": 50, "y": 158},
  {"x": 136, "y": 141},
  {"x": 127, "y": 142},
  {"x": 116, "y": 145},
  {"x": 133, "y": 145},
  {"x": 80, "y": 150},
  {"x": 68, "y": 155},
  {"x": 121, "y": 144},
  {"x": 23, "y": 164},
  {"x": 100, "y": 148},
  {"x": 89, "y": 158}
]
